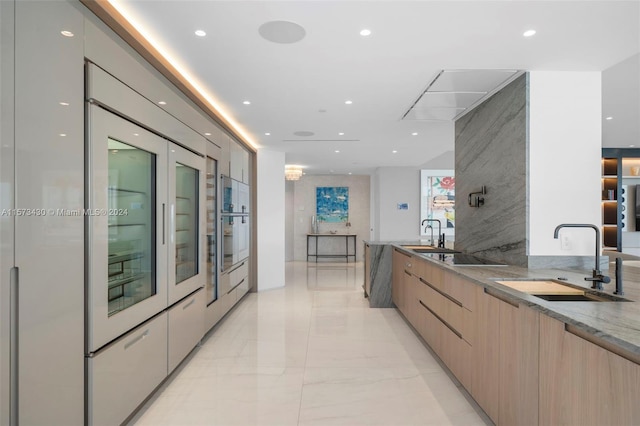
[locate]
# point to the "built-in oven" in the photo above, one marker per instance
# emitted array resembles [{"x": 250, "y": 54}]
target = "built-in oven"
[
  {"x": 235, "y": 244},
  {"x": 235, "y": 196}
]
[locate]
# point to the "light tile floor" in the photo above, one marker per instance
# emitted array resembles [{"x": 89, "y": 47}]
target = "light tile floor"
[{"x": 311, "y": 353}]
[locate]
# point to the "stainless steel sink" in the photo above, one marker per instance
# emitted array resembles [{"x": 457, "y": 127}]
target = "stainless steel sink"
[{"x": 557, "y": 291}]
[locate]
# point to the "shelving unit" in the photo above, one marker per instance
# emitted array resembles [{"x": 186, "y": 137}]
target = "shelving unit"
[
  {"x": 126, "y": 270},
  {"x": 610, "y": 203},
  {"x": 185, "y": 264}
]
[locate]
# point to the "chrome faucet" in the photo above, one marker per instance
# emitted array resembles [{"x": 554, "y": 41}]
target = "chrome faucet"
[
  {"x": 597, "y": 278},
  {"x": 440, "y": 236}
]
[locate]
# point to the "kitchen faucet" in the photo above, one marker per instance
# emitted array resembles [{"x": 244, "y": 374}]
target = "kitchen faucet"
[
  {"x": 440, "y": 236},
  {"x": 597, "y": 278}
]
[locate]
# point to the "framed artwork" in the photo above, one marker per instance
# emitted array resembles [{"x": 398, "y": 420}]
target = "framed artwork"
[
  {"x": 438, "y": 198},
  {"x": 332, "y": 204}
]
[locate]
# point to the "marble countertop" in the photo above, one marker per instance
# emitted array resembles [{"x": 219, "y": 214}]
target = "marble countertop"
[{"x": 617, "y": 323}]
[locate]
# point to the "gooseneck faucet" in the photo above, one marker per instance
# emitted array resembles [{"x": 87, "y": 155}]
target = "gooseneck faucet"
[
  {"x": 440, "y": 241},
  {"x": 597, "y": 278}
]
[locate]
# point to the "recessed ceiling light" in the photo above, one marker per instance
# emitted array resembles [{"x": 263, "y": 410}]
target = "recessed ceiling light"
[
  {"x": 341, "y": 133},
  {"x": 631, "y": 146},
  {"x": 337, "y": 151},
  {"x": 609, "y": 118},
  {"x": 66, "y": 33},
  {"x": 348, "y": 102},
  {"x": 414, "y": 134},
  {"x": 162, "y": 103},
  {"x": 365, "y": 32},
  {"x": 64, "y": 103},
  {"x": 267, "y": 134},
  {"x": 529, "y": 33},
  {"x": 136, "y": 134},
  {"x": 394, "y": 151},
  {"x": 246, "y": 102},
  {"x": 207, "y": 134},
  {"x": 63, "y": 134},
  {"x": 200, "y": 33},
  {"x": 350, "y": 173}
]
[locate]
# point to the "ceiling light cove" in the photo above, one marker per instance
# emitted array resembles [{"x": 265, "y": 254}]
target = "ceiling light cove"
[
  {"x": 180, "y": 67},
  {"x": 200, "y": 33},
  {"x": 365, "y": 32},
  {"x": 283, "y": 32},
  {"x": 529, "y": 33}
]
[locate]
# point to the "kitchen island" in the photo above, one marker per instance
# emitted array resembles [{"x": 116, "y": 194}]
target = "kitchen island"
[{"x": 524, "y": 359}]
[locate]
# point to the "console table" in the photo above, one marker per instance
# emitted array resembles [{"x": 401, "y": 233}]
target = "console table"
[{"x": 346, "y": 253}]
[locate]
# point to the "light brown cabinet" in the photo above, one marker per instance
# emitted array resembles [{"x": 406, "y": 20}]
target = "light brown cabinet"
[
  {"x": 486, "y": 354},
  {"x": 584, "y": 383},
  {"x": 402, "y": 265},
  {"x": 519, "y": 348},
  {"x": 522, "y": 367}
]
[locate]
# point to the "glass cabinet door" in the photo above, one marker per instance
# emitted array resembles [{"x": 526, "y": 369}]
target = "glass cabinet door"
[
  {"x": 212, "y": 240},
  {"x": 131, "y": 222},
  {"x": 125, "y": 213},
  {"x": 187, "y": 221}
]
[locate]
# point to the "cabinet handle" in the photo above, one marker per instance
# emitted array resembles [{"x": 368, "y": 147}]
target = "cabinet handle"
[
  {"x": 635, "y": 358},
  {"x": 440, "y": 292},
  {"x": 137, "y": 339},
  {"x": 408, "y": 265},
  {"x": 189, "y": 304},
  {"x": 446, "y": 324},
  {"x": 407, "y": 272},
  {"x": 163, "y": 222},
  {"x": 13, "y": 338},
  {"x": 501, "y": 298}
]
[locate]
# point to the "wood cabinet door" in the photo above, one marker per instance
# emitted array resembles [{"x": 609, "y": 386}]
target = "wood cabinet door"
[
  {"x": 583, "y": 383},
  {"x": 397, "y": 274},
  {"x": 486, "y": 356},
  {"x": 519, "y": 339}
]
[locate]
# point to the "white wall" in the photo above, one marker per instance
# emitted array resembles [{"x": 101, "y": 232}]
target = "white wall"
[
  {"x": 397, "y": 185},
  {"x": 564, "y": 159},
  {"x": 271, "y": 219},
  {"x": 305, "y": 207},
  {"x": 288, "y": 232}
]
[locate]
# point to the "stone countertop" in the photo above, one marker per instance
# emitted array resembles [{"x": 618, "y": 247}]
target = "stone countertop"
[{"x": 617, "y": 323}]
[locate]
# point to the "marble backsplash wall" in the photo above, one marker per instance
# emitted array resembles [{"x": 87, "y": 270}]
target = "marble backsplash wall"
[{"x": 491, "y": 150}]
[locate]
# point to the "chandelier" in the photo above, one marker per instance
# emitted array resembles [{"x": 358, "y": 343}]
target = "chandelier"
[{"x": 292, "y": 172}]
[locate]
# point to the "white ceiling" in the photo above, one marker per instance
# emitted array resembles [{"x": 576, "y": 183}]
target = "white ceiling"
[{"x": 303, "y": 86}]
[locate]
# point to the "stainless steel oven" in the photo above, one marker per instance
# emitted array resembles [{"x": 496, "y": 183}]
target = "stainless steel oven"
[{"x": 235, "y": 222}]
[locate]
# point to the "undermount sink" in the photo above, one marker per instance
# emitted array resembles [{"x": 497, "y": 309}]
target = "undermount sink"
[{"x": 556, "y": 291}]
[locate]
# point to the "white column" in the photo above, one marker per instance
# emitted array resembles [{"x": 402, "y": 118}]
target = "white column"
[
  {"x": 564, "y": 160},
  {"x": 271, "y": 219}
]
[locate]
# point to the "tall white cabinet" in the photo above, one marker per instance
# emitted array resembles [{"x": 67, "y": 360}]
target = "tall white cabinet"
[
  {"x": 42, "y": 136},
  {"x": 73, "y": 350}
]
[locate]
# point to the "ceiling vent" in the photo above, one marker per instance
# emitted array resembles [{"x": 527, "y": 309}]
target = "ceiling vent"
[{"x": 453, "y": 93}]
